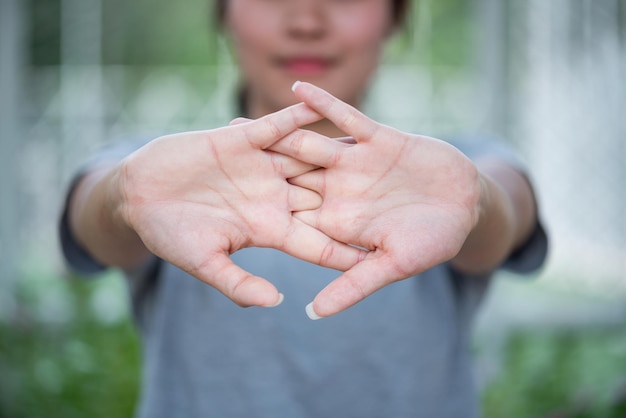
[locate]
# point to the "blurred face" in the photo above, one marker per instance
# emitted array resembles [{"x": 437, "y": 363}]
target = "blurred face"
[{"x": 335, "y": 44}]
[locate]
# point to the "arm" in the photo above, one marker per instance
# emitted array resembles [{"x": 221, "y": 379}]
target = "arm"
[
  {"x": 192, "y": 200},
  {"x": 96, "y": 222},
  {"x": 507, "y": 216}
]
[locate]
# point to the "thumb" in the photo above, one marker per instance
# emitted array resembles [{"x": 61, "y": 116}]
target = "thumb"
[
  {"x": 357, "y": 283},
  {"x": 238, "y": 285}
]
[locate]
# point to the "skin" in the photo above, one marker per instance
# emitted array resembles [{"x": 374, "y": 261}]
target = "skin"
[
  {"x": 274, "y": 40},
  {"x": 413, "y": 201},
  {"x": 190, "y": 199},
  {"x": 410, "y": 201}
]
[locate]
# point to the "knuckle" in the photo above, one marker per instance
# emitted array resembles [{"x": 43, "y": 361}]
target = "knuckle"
[
  {"x": 236, "y": 288},
  {"x": 358, "y": 288},
  {"x": 296, "y": 143},
  {"x": 326, "y": 255},
  {"x": 277, "y": 163},
  {"x": 273, "y": 130}
]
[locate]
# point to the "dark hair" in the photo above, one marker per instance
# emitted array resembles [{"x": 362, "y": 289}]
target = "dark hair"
[{"x": 399, "y": 11}]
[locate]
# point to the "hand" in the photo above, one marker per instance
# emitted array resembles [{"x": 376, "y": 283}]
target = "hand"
[
  {"x": 410, "y": 200},
  {"x": 195, "y": 198}
]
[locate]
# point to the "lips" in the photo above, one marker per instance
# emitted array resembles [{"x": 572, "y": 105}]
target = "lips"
[{"x": 306, "y": 66}]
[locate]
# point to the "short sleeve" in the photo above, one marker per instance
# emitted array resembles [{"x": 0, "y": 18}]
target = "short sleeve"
[
  {"x": 530, "y": 256},
  {"x": 75, "y": 256}
]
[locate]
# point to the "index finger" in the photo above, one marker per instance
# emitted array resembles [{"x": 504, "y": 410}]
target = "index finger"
[
  {"x": 265, "y": 131},
  {"x": 345, "y": 117}
]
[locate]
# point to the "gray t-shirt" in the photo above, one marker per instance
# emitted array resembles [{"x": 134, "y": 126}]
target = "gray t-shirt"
[{"x": 402, "y": 352}]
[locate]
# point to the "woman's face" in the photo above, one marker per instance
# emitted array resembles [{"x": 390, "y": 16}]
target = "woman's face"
[{"x": 335, "y": 44}]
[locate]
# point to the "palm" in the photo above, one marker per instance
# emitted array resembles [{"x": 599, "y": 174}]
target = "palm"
[
  {"x": 379, "y": 195},
  {"x": 195, "y": 198},
  {"x": 408, "y": 199}
]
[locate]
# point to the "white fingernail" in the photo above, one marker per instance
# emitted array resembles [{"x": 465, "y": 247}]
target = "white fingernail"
[
  {"x": 295, "y": 85},
  {"x": 281, "y": 297},
  {"x": 311, "y": 313}
]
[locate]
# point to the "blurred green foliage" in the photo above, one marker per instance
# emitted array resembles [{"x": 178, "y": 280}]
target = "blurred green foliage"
[
  {"x": 61, "y": 357},
  {"x": 183, "y": 33},
  {"x": 70, "y": 350},
  {"x": 561, "y": 373}
]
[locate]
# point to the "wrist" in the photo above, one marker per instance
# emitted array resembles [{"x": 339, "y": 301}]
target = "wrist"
[
  {"x": 492, "y": 237},
  {"x": 115, "y": 208},
  {"x": 99, "y": 220}
]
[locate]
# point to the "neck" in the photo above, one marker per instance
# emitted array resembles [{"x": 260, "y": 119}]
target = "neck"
[
  {"x": 326, "y": 128},
  {"x": 253, "y": 109}
]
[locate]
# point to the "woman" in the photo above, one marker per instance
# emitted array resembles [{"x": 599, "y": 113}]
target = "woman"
[{"x": 383, "y": 206}]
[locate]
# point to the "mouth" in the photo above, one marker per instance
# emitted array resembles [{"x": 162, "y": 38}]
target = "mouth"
[{"x": 306, "y": 65}]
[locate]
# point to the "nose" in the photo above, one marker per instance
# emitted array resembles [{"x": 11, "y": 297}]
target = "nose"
[{"x": 306, "y": 19}]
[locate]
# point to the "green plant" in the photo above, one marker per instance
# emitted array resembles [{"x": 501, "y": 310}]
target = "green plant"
[
  {"x": 573, "y": 374},
  {"x": 64, "y": 358}
]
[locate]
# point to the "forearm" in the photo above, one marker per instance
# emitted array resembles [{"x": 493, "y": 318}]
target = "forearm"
[
  {"x": 507, "y": 218},
  {"x": 96, "y": 222}
]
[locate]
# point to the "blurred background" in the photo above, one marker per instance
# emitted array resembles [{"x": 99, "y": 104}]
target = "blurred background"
[{"x": 546, "y": 76}]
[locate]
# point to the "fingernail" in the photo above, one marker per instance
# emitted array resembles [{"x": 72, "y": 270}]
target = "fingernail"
[
  {"x": 311, "y": 313},
  {"x": 295, "y": 85},
  {"x": 281, "y": 297}
]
